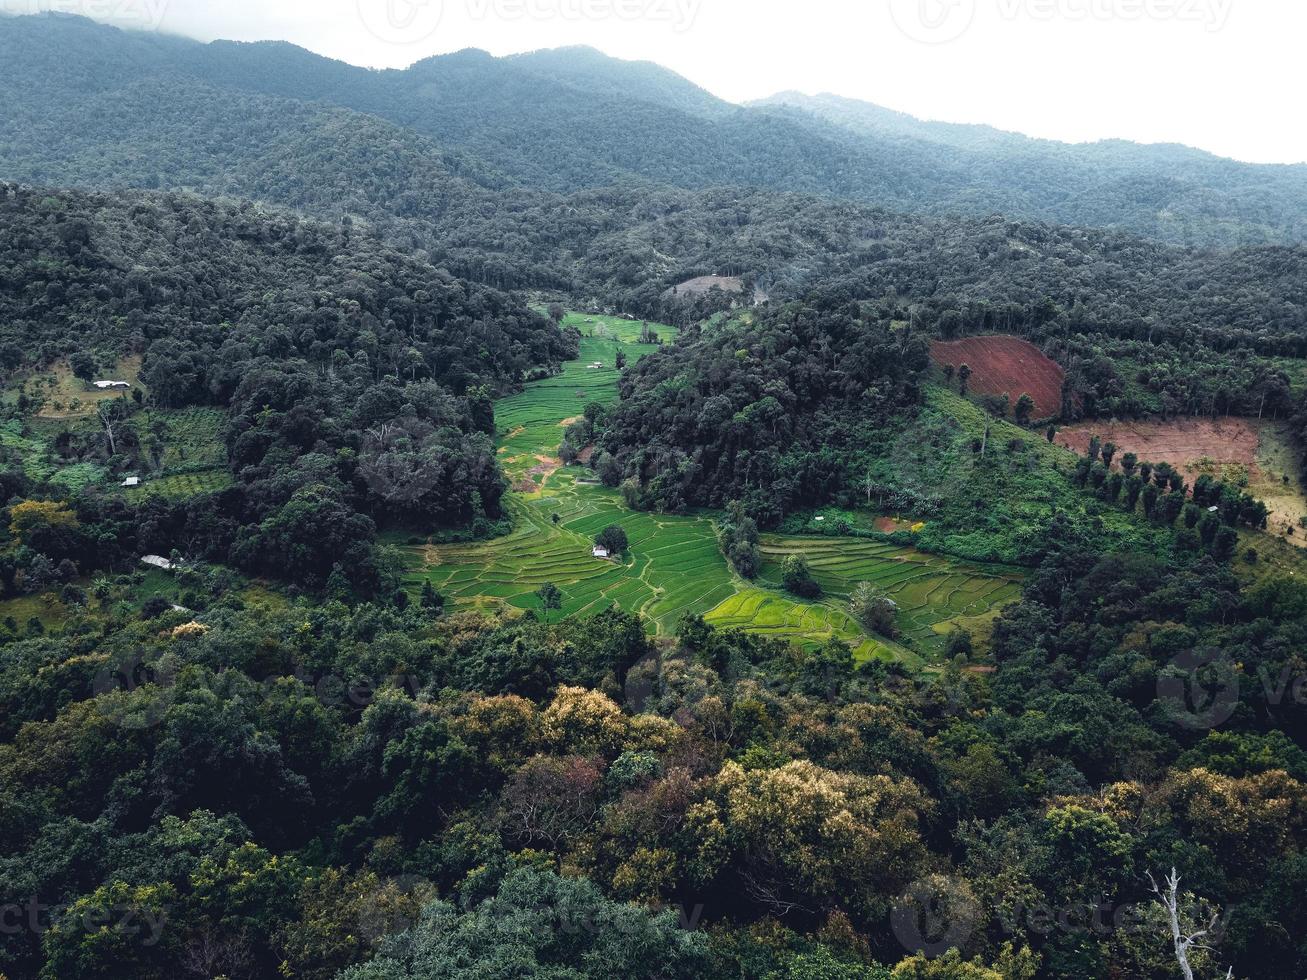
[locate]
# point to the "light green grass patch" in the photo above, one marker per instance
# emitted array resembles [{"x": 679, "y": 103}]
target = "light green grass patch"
[{"x": 674, "y": 565}]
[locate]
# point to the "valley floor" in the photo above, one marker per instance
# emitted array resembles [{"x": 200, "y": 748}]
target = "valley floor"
[{"x": 674, "y": 565}]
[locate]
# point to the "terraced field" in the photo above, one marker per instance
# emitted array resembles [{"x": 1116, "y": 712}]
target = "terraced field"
[
  {"x": 674, "y": 565},
  {"x": 531, "y": 423},
  {"x": 932, "y": 593},
  {"x": 183, "y": 486}
]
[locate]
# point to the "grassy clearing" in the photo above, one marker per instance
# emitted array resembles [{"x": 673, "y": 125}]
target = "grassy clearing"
[
  {"x": 1279, "y": 483},
  {"x": 990, "y": 509},
  {"x": 65, "y": 396},
  {"x": 531, "y": 422},
  {"x": 674, "y": 565},
  {"x": 182, "y": 486},
  {"x": 45, "y": 607}
]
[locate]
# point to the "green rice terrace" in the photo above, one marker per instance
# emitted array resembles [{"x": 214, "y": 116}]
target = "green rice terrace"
[{"x": 674, "y": 565}]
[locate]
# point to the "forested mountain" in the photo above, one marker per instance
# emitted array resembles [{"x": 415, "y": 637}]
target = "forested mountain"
[
  {"x": 625, "y": 245},
  {"x": 1168, "y": 192},
  {"x": 872, "y": 681},
  {"x": 595, "y": 72},
  {"x": 565, "y": 122},
  {"x": 357, "y": 382}
]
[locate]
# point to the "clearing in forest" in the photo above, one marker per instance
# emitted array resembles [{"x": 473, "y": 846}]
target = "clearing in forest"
[
  {"x": 674, "y": 564},
  {"x": 1002, "y": 365},
  {"x": 65, "y": 396},
  {"x": 1250, "y": 453}
]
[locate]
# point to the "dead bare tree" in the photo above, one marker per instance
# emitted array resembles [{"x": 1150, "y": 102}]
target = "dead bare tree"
[
  {"x": 1183, "y": 940},
  {"x": 110, "y": 414}
]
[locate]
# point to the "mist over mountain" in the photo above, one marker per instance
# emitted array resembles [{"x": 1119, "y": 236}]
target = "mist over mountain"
[
  {"x": 453, "y": 517},
  {"x": 568, "y": 120}
]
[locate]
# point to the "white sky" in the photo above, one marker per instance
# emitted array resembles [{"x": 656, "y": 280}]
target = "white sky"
[{"x": 1224, "y": 75}]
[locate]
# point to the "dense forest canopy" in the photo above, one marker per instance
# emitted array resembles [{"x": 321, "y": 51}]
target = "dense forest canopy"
[
  {"x": 244, "y": 736},
  {"x": 357, "y": 382},
  {"x": 564, "y": 123}
]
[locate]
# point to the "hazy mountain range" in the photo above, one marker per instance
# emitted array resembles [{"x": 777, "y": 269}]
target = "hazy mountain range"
[{"x": 89, "y": 104}]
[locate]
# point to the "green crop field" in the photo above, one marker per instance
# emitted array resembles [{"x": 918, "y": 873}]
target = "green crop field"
[
  {"x": 932, "y": 593},
  {"x": 191, "y": 438},
  {"x": 674, "y": 565},
  {"x": 180, "y": 486},
  {"x": 531, "y": 423}
]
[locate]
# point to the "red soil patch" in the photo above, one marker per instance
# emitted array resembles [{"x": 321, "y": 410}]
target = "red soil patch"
[
  {"x": 537, "y": 475},
  {"x": 1192, "y": 446},
  {"x": 1005, "y": 366},
  {"x": 585, "y": 455},
  {"x": 888, "y": 525},
  {"x": 702, "y": 284}
]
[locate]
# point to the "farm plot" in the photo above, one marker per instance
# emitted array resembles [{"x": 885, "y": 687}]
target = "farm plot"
[
  {"x": 1255, "y": 454},
  {"x": 531, "y": 423},
  {"x": 186, "y": 439},
  {"x": 933, "y": 594},
  {"x": 181, "y": 486},
  {"x": 674, "y": 565},
  {"x": 1005, "y": 366}
]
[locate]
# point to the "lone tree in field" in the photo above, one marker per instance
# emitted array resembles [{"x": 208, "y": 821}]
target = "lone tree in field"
[
  {"x": 876, "y": 612},
  {"x": 1024, "y": 408},
  {"x": 550, "y": 598},
  {"x": 964, "y": 375},
  {"x": 797, "y": 578},
  {"x": 613, "y": 539},
  {"x": 83, "y": 365},
  {"x": 737, "y": 535},
  {"x": 431, "y": 600}
]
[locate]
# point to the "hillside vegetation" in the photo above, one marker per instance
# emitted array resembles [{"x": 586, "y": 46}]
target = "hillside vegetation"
[{"x": 396, "y": 623}]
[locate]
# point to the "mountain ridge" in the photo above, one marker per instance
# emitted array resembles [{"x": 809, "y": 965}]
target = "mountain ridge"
[{"x": 573, "y": 119}]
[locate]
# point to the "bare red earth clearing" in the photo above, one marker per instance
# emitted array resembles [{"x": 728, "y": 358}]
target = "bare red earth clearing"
[
  {"x": 1225, "y": 448},
  {"x": 1259, "y": 455},
  {"x": 702, "y": 284},
  {"x": 1005, "y": 366}
]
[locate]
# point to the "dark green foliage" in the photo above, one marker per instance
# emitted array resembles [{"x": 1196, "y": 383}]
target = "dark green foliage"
[
  {"x": 613, "y": 539},
  {"x": 737, "y": 534},
  {"x": 362, "y": 781},
  {"x": 762, "y": 404},
  {"x": 537, "y": 925},
  {"x": 352, "y": 403},
  {"x": 797, "y": 578},
  {"x": 79, "y": 89}
]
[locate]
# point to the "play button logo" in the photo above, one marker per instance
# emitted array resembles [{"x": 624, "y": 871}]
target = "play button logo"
[
  {"x": 933, "y": 21},
  {"x": 401, "y": 21}
]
